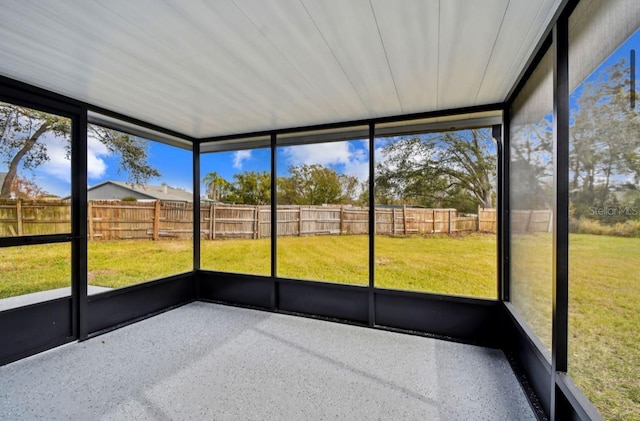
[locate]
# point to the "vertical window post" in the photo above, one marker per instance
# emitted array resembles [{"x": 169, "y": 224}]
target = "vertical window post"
[
  {"x": 79, "y": 223},
  {"x": 196, "y": 206},
  {"x": 561, "y": 206},
  {"x": 274, "y": 224},
  {"x": 372, "y": 225}
]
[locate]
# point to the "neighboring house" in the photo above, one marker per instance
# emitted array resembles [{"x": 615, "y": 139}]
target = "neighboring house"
[{"x": 118, "y": 190}]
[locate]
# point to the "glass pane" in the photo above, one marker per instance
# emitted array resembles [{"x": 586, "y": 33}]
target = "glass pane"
[
  {"x": 31, "y": 274},
  {"x": 140, "y": 224},
  {"x": 236, "y": 211},
  {"x": 435, "y": 213},
  {"x": 322, "y": 215},
  {"x": 604, "y": 239},
  {"x": 531, "y": 184},
  {"x": 35, "y": 172}
]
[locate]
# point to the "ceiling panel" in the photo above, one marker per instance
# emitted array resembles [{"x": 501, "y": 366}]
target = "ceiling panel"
[
  {"x": 297, "y": 45},
  {"x": 522, "y": 27},
  {"x": 413, "y": 52},
  {"x": 210, "y": 68},
  {"x": 350, "y": 30},
  {"x": 467, "y": 34}
]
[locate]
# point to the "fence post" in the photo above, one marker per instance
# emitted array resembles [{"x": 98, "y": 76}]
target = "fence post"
[
  {"x": 526, "y": 228},
  {"x": 433, "y": 220},
  {"x": 19, "y": 215},
  {"x": 256, "y": 223},
  {"x": 299, "y": 221},
  {"x": 393, "y": 221},
  {"x": 450, "y": 222},
  {"x": 212, "y": 222},
  {"x": 90, "y": 214},
  {"x": 156, "y": 221},
  {"x": 341, "y": 219},
  {"x": 404, "y": 218}
]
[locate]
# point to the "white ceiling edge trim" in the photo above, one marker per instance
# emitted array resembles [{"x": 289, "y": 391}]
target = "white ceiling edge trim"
[
  {"x": 443, "y": 126},
  {"x": 401, "y": 127},
  {"x": 136, "y": 130},
  {"x": 235, "y": 144}
]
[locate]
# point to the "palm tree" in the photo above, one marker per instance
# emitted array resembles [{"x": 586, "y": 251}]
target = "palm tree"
[{"x": 217, "y": 187}]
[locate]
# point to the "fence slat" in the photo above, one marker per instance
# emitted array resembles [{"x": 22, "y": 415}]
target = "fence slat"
[
  {"x": 404, "y": 218},
  {"x": 111, "y": 220},
  {"x": 90, "y": 214},
  {"x": 19, "y": 217},
  {"x": 156, "y": 221}
]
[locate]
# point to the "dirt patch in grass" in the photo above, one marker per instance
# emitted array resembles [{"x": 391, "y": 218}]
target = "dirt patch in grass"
[{"x": 93, "y": 274}]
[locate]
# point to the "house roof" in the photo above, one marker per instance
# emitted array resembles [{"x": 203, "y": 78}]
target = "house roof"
[
  {"x": 238, "y": 66},
  {"x": 152, "y": 191}
]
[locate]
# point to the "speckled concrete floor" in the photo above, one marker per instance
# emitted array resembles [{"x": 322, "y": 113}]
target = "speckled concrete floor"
[{"x": 206, "y": 361}]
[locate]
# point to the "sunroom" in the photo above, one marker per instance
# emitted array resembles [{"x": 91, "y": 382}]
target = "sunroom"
[{"x": 317, "y": 209}]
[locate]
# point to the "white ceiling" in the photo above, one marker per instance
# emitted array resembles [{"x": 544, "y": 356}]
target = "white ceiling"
[{"x": 209, "y": 68}]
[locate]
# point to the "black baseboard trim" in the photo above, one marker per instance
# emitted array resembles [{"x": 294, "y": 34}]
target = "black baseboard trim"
[
  {"x": 469, "y": 320},
  {"x": 571, "y": 403},
  {"x": 461, "y": 319},
  {"x": 31, "y": 329},
  {"x": 523, "y": 346},
  {"x": 245, "y": 290},
  {"x": 116, "y": 308}
]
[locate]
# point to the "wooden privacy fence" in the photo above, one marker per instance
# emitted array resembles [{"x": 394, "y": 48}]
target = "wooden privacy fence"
[
  {"x": 526, "y": 221},
  {"x": 239, "y": 221},
  {"x": 111, "y": 220},
  {"x": 33, "y": 217}
]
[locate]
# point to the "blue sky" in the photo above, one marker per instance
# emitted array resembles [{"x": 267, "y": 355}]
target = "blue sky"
[
  {"x": 54, "y": 176},
  {"x": 633, "y": 42},
  {"x": 175, "y": 165},
  {"x": 346, "y": 157}
]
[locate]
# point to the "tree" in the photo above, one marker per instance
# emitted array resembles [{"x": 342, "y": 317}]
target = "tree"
[
  {"x": 217, "y": 187},
  {"x": 250, "y": 188},
  {"x": 351, "y": 189},
  {"x": 532, "y": 164},
  {"x": 455, "y": 169},
  {"x": 24, "y": 188},
  {"x": 311, "y": 185},
  {"x": 604, "y": 145},
  {"x": 23, "y": 130}
]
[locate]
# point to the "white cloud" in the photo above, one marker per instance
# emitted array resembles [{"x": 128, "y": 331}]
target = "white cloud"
[
  {"x": 347, "y": 156},
  {"x": 58, "y": 165},
  {"x": 319, "y": 153},
  {"x": 96, "y": 167},
  {"x": 239, "y": 157}
]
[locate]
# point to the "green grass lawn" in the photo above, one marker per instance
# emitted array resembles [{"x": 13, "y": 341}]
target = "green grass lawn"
[
  {"x": 604, "y": 313},
  {"x": 457, "y": 265},
  {"x": 418, "y": 264},
  {"x": 27, "y": 269},
  {"x": 120, "y": 263},
  {"x": 604, "y": 322},
  {"x": 531, "y": 282},
  {"x": 604, "y": 291}
]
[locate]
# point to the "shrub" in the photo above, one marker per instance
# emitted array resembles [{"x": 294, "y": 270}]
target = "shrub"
[{"x": 590, "y": 226}]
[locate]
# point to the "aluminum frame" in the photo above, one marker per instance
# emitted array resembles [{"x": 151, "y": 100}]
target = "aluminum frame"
[{"x": 32, "y": 323}]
